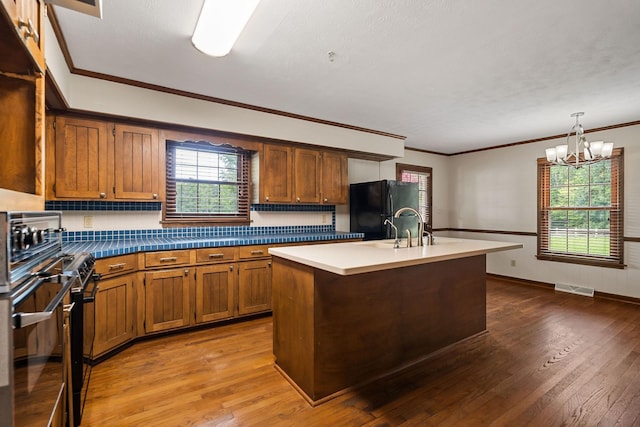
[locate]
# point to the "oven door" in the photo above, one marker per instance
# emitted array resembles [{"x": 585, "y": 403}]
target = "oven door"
[{"x": 38, "y": 354}]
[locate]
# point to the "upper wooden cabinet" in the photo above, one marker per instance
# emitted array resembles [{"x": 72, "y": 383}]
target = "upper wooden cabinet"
[
  {"x": 27, "y": 22},
  {"x": 137, "y": 163},
  {"x": 306, "y": 175},
  {"x": 81, "y": 158},
  {"x": 301, "y": 175},
  {"x": 335, "y": 179},
  {"x": 94, "y": 159},
  {"x": 276, "y": 166},
  {"x": 21, "y": 107}
]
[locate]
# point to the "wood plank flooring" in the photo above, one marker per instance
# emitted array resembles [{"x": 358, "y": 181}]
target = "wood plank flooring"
[{"x": 548, "y": 359}]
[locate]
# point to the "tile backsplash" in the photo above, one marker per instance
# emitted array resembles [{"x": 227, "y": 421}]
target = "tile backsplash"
[{"x": 103, "y": 215}]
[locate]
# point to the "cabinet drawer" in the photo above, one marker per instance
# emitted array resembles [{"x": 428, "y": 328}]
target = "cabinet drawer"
[
  {"x": 208, "y": 255},
  {"x": 166, "y": 258},
  {"x": 255, "y": 251},
  {"x": 116, "y": 265}
]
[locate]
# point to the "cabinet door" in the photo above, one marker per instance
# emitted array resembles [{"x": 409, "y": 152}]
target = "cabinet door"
[
  {"x": 137, "y": 163},
  {"x": 306, "y": 176},
  {"x": 335, "y": 181},
  {"x": 275, "y": 174},
  {"x": 214, "y": 292},
  {"x": 81, "y": 152},
  {"x": 254, "y": 286},
  {"x": 166, "y": 299},
  {"x": 31, "y": 28},
  {"x": 110, "y": 317}
]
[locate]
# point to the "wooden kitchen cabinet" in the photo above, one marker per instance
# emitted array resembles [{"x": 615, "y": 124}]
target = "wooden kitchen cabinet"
[
  {"x": 111, "y": 316},
  {"x": 27, "y": 18},
  {"x": 306, "y": 175},
  {"x": 302, "y": 175},
  {"x": 254, "y": 286},
  {"x": 109, "y": 161},
  {"x": 215, "y": 292},
  {"x": 81, "y": 147},
  {"x": 22, "y": 108},
  {"x": 167, "y": 304},
  {"x": 335, "y": 179},
  {"x": 137, "y": 163},
  {"x": 276, "y": 167}
]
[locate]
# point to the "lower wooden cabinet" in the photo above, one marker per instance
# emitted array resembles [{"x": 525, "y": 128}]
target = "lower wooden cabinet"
[
  {"x": 215, "y": 289},
  {"x": 111, "y": 316},
  {"x": 254, "y": 286},
  {"x": 166, "y": 294}
]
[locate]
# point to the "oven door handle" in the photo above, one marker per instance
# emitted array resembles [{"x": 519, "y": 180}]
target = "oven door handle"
[
  {"x": 20, "y": 320},
  {"x": 92, "y": 296}
]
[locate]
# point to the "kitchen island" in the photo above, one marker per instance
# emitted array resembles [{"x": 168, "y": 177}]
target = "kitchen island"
[{"x": 345, "y": 314}]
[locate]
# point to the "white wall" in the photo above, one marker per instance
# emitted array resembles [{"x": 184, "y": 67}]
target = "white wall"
[{"x": 496, "y": 190}]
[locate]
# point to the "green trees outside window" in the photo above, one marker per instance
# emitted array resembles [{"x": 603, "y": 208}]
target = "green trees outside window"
[{"x": 580, "y": 212}]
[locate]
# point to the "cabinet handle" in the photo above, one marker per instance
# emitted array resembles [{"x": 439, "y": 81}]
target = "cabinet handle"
[
  {"x": 103, "y": 195},
  {"x": 155, "y": 196},
  {"x": 258, "y": 252},
  {"x": 231, "y": 268},
  {"x": 216, "y": 255},
  {"x": 186, "y": 271},
  {"x": 31, "y": 31},
  {"x": 168, "y": 259},
  {"x": 266, "y": 199},
  {"x": 117, "y": 266}
]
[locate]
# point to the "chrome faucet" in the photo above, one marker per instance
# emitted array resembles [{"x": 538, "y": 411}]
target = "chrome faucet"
[
  {"x": 420, "y": 225},
  {"x": 396, "y": 243}
]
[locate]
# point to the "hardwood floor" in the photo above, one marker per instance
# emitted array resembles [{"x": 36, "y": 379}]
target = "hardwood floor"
[{"x": 548, "y": 359}]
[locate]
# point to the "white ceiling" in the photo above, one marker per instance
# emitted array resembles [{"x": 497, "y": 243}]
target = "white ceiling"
[{"x": 450, "y": 75}]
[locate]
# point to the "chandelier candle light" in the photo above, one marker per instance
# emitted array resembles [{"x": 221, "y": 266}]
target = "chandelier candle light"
[{"x": 592, "y": 151}]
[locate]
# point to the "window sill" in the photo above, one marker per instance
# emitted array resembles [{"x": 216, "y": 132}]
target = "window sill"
[
  {"x": 203, "y": 222},
  {"x": 582, "y": 261}
]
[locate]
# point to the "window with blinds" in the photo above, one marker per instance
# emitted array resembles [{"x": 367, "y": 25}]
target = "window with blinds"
[
  {"x": 424, "y": 177},
  {"x": 207, "y": 183},
  {"x": 580, "y": 212}
]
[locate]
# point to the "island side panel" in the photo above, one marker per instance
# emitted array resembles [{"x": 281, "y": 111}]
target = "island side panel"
[
  {"x": 293, "y": 312},
  {"x": 368, "y": 325}
]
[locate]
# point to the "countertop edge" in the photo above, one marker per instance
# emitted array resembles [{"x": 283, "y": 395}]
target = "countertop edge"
[{"x": 283, "y": 253}]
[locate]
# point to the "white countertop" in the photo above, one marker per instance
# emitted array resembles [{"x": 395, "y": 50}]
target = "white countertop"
[{"x": 375, "y": 255}]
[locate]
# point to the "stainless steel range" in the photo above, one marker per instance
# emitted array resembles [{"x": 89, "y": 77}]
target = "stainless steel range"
[{"x": 42, "y": 292}]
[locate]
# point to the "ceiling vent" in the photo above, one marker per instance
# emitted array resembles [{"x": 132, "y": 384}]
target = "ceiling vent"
[{"x": 89, "y": 7}]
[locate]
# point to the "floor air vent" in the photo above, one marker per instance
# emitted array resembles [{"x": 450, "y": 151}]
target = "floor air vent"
[{"x": 572, "y": 289}]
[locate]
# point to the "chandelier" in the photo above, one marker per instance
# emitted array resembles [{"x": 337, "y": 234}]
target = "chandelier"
[{"x": 585, "y": 152}]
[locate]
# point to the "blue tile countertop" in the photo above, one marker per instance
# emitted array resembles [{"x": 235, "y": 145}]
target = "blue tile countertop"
[{"x": 103, "y": 248}]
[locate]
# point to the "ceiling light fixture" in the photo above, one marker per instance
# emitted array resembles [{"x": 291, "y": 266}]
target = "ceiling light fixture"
[
  {"x": 220, "y": 24},
  {"x": 585, "y": 152}
]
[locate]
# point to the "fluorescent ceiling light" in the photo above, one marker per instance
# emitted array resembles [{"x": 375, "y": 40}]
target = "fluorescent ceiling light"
[{"x": 220, "y": 24}]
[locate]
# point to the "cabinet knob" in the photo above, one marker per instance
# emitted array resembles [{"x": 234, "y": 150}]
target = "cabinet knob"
[
  {"x": 297, "y": 199},
  {"x": 103, "y": 195},
  {"x": 231, "y": 268},
  {"x": 186, "y": 271},
  {"x": 266, "y": 199},
  {"x": 325, "y": 200},
  {"x": 155, "y": 196}
]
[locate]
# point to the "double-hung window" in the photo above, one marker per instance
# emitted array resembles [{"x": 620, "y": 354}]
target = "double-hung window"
[
  {"x": 207, "y": 183},
  {"x": 423, "y": 176},
  {"x": 580, "y": 212}
]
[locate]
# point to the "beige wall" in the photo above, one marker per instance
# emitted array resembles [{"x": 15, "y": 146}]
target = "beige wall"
[{"x": 496, "y": 190}]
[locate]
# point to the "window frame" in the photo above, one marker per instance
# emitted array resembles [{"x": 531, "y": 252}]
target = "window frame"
[
  {"x": 423, "y": 170},
  {"x": 170, "y": 219},
  {"x": 616, "y": 217}
]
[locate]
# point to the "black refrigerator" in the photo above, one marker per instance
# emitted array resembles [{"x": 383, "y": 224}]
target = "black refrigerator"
[{"x": 373, "y": 202}]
